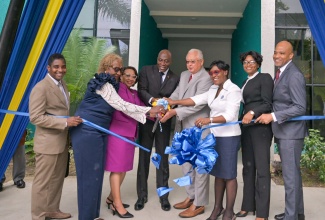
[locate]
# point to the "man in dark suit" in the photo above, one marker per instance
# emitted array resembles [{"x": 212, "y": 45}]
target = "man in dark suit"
[
  {"x": 46, "y": 101},
  {"x": 289, "y": 100},
  {"x": 155, "y": 82}
]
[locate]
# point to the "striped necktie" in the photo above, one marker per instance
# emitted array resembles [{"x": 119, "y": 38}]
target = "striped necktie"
[
  {"x": 277, "y": 75},
  {"x": 62, "y": 90}
]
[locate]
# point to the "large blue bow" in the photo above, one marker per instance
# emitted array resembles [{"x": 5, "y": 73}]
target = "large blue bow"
[{"x": 188, "y": 146}]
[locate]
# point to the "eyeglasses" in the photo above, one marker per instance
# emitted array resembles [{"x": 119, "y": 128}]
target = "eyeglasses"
[
  {"x": 249, "y": 62},
  {"x": 117, "y": 69},
  {"x": 191, "y": 61},
  {"x": 214, "y": 72},
  {"x": 129, "y": 76}
]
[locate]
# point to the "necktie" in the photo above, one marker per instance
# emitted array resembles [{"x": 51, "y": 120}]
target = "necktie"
[
  {"x": 190, "y": 78},
  {"x": 62, "y": 90},
  {"x": 162, "y": 77},
  {"x": 277, "y": 74}
]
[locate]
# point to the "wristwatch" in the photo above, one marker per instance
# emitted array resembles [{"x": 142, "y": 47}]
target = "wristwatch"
[{"x": 251, "y": 112}]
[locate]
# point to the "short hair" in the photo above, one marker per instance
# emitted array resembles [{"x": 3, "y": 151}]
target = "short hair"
[
  {"x": 131, "y": 68},
  {"x": 220, "y": 64},
  {"x": 199, "y": 52},
  {"x": 55, "y": 56},
  {"x": 256, "y": 56},
  {"x": 107, "y": 61},
  {"x": 165, "y": 51}
]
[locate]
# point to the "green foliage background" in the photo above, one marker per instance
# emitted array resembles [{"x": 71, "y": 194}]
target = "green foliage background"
[{"x": 82, "y": 58}]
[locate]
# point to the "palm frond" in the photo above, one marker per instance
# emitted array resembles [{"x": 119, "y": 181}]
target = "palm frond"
[
  {"x": 115, "y": 9},
  {"x": 82, "y": 57}
]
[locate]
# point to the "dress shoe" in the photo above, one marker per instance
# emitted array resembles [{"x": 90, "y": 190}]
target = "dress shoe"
[
  {"x": 282, "y": 215},
  {"x": 243, "y": 213},
  {"x": 140, "y": 203},
  {"x": 20, "y": 184},
  {"x": 1, "y": 187},
  {"x": 165, "y": 205},
  {"x": 109, "y": 202},
  {"x": 220, "y": 213},
  {"x": 192, "y": 211},
  {"x": 57, "y": 215},
  {"x": 185, "y": 204},
  {"x": 126, "y": 215}
]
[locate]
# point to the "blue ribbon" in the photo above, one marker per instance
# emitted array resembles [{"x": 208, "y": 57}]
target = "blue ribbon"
[
  {"x": 299, "y": 118},
  {"x": 163, "y": 190},
  {"x": 14, "y": 113},
  {"x": 183, "y": 181},
  {"x": 86, "y": 123},
  {"x": 163, "y": 102},
  {"x": 188, "y": 146},
  {"x": 156, "y": 160}
]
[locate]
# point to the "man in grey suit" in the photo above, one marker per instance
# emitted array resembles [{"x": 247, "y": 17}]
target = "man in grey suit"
[
  {"x": 289, "y": 100},
  {"x": 46, "y": 101},
  {"x": 193, "y": 81}
]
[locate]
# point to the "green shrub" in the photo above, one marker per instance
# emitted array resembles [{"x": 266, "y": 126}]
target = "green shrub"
[
  {"x": 313, "y": 156},
  {"x": 29, "y": 144}
]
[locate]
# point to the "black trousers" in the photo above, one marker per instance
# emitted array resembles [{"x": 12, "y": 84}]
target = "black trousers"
[
  {"x": 146, "y": 139},
  {"x": 256, "y": 141}
]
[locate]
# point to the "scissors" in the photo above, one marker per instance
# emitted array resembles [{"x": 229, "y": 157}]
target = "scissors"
[{"x": 155, "y": 126}]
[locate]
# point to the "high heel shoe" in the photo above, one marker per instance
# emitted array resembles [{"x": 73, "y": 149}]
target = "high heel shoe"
[
  {"x": 220, "y": 213},
  {"x": 109, "y": 203},
  {"x": 243, "y": 213},
  {"x": 126, "y": 215}
]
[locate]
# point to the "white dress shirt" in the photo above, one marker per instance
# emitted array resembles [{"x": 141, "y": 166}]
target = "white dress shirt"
[{"x": 226, "y": 104}]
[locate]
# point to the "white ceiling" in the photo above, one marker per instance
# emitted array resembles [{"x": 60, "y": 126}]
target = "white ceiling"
[{"x": 193, "y": 19}]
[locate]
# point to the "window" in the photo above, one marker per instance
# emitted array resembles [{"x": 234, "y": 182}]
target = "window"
[{"x": 292, "y": 25}]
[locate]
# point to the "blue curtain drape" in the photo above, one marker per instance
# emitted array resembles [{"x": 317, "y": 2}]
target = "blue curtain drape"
[
  {"x": 315, "y": 13},
  {"x": 31, "y": 19}
]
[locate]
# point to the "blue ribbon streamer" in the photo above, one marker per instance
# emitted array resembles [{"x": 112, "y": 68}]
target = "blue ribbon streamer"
[
  {"x": 156, "y": 158},
  {"x": 299, "y": 118},
  {"x": 86, "y": 123},
  {"x": 183, "y": 181},
  {"x": 163, "y": 190}
]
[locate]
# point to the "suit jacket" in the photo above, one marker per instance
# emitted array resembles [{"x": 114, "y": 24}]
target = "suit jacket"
[
  {"x": 149, "y": 83},
  {"x": 289, "y": 100},
  {"x": 198, "y": 85},
  {"x": 123, "y": 124},
  {"x": 257, "y": 94},
  {"x": 46, "y": 100}
]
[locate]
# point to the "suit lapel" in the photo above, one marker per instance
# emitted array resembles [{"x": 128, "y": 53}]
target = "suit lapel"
[
  {"x": 168, "y": 75},
  {"x": 187, "y": 86},
  {"x": 283, "y": 75},
  {"x": 56, "y": 90},
  {"x": 157, "y": 76}
]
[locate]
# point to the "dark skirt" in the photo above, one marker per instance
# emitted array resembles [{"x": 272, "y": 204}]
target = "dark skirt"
[{"x": 226, "y": 165}]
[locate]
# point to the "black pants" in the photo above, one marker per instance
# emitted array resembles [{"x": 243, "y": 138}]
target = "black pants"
[
  {"x": 147, "y": 138},
  {"x": 256, "y": 142}
]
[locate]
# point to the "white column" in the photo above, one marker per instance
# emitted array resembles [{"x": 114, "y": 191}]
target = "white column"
[
  {"x": 268, "y": 35},
  {"x": 268, "y": 43},
  {"x": 134, "y": 47}
]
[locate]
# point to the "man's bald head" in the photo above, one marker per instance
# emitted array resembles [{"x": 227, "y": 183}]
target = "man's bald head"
[{"x": 283, "y": 53}]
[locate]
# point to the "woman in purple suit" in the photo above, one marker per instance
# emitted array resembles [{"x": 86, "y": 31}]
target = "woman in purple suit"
[{"x": 120, "y": 154}]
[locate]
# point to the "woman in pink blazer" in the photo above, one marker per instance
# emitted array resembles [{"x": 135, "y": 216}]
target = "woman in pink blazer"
[{"x": 120, "y": 154}]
